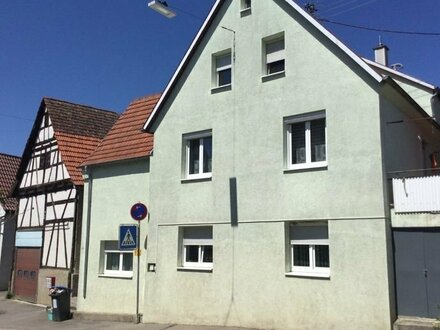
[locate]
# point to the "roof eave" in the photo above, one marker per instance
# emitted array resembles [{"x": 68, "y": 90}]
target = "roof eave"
[{"x": 183, "y": 63}]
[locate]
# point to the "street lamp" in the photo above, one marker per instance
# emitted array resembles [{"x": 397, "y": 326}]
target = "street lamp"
[{"x": 162, "y": 8}]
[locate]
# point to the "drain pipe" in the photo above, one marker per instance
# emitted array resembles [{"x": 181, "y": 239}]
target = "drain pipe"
[{"x": 87, "y": 175}]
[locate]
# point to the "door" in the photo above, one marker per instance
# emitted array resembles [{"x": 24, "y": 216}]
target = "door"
[
  {"x": 417, "y": 265},
  {"x": 27, "y": 264}
]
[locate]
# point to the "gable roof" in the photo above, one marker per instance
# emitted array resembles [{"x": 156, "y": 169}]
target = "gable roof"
[
  {"x": 203, "y": 30},
  {"x": 8, "y": 169},
  {"x": 78, "y": 130},
  {"x": 126, "y": 140}
]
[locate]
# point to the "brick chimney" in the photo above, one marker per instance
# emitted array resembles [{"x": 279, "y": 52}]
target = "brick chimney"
[{"x": 381, "y": 54}]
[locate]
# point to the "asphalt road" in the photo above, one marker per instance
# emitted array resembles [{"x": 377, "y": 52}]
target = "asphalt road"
[{"x": 23, "y": 316}]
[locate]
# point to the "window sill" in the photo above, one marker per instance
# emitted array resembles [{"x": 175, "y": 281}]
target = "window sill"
[
  {"x": 219, "y": 89},
  {"x": 123, "y": 276},
  {"x": 245, "y": 11},
  {"x": 310, "y": 166},
  {"x": 197, "y": 178},
  {"x": 273, "y": 76},
  {"x": 306, "y": 274},
  {"x": 196, "y": 269}
]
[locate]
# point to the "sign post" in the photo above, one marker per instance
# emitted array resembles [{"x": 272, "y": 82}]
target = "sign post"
[{"x": 138, "y": 212}]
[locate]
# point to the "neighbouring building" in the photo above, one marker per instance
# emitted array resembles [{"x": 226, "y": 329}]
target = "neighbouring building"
[
  {"x": 116, "y": 177},
  {"x": 50, "y": 193},
  {"x": 269, "y": 190},
  {"x": 8, "y": 207}
]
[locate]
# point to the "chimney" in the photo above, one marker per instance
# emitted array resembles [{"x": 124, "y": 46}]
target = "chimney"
[{"x": 381, "y": 54}]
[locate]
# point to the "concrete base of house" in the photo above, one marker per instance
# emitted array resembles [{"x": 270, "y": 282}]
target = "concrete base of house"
[
  {"x": 415, "y": 323},
  {"x": 105, "y": 317}
]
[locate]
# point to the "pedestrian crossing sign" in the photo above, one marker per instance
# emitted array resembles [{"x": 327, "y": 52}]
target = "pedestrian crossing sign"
[{"x": 128, "y": 235}]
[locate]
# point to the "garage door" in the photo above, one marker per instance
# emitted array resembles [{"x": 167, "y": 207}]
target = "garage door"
[
  {"x": 27, "y": 264},
  {"x": 417, "y": 262}
]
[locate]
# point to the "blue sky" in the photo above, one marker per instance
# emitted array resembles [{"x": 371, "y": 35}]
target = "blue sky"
[{"x": 105, "y": 53}]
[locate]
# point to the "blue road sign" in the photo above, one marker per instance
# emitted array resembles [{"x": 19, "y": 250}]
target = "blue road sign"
[
  {"x": 139, "y": 211},
  {"x": 128, "y": 237}
]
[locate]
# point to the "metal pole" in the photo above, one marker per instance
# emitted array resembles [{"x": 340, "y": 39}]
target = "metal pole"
[{"x": 138, "y": 272}]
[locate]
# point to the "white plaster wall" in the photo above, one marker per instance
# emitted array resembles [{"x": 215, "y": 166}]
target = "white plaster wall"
[
  {"x": 116, "y": 187},
  {"x": 247, "y": 130}
]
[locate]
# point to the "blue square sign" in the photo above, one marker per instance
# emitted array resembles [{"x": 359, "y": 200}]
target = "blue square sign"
[{"x": 128, "y": 235}]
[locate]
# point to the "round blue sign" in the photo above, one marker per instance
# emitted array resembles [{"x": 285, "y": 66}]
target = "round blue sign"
[{"x": 138, "y": 211}]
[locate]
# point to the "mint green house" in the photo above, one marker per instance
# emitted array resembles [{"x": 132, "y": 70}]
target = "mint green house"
[
  {"x": 116, "y": 176},
  {"x": 274, "y": 147}
]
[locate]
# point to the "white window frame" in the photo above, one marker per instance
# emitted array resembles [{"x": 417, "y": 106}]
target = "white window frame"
[
  {"x": 119, "y": 272},
  {"x": 308, "y": 141},
  {"x": 312, "y": 270},
  {"x": 187, "y": 145},
  {"x": 201, "y": 243},
  {"x": 217, "y": 69},
  {"x": 275, "y": 56}
]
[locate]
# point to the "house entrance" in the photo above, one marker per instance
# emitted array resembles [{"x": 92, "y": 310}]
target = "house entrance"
[{"x": 417, "y": 267}]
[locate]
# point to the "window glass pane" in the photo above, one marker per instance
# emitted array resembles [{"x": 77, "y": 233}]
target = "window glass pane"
[
  {"x": 317, "y": 128},
  {"x": 112, "y": 261},
  {"x": 194, "y": 156},
  {"x": 301, "y": 255},
  {"x": 298, "y": 143},
  {"x": 224, "y": 77},
  {"x": 275, "y": 67},
  {"x": 127, "y": 261},
  {"x": 322, "y": 256},
  {"x": 207, "y": 154},
  {"x": 207, "y": 253},
  {"x": 247, "y": 3},
  {"x": 192, "y": 253}
]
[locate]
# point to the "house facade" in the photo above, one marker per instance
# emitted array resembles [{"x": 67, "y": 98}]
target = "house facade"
[
  {"x": 49, "y": 190},
  {"x": 8, "y": 206},
  {"x": 119, "y": 165},
  {"x": 269, "y": 185}
]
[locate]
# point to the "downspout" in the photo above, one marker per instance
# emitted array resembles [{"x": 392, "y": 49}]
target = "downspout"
[{"x": 87, "y": 174}]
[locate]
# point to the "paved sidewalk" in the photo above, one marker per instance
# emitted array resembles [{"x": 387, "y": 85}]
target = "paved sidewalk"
[{"x": 16, "y": 315}]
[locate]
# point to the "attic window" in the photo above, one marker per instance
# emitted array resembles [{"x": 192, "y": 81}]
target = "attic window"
[
  {"x": 44, "y": 161},
  {"x": 273, "y": 55}
]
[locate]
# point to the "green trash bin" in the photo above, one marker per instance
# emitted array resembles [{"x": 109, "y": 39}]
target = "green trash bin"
[{"x": 60, "y": 297}]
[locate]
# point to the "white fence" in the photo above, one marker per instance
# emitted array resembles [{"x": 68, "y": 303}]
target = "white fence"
[{"x": 420, "y": 194}]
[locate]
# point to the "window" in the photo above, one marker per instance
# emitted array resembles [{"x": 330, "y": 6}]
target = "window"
[
  {"x": 117, "y": 262},
  {"x": 309, "y": 249},
  {"x": 223, "y": 70},
  {"x": 246, "y": 4},
  {"x": 197, "y": 250},
  {"x": 44, "y": 161},
  {"x": 274, "y": 61},
  {"x": 306, "y": 141},
  {"x": 198, "y": 155}
]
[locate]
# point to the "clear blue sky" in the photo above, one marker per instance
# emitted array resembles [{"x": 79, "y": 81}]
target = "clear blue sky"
[{"x": 105, "y": 53}]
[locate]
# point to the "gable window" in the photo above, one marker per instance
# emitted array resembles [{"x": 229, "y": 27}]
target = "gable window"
[
  {"x": 116, "y": 262},
  {"x": 198, "y": 155},
  {"x": 222, "y": 70},
  {"x": 274, "y": 55},
  {"x": 197, "y": 250},
  {"x": 246, "y": 4},
  {"x": 44, "y": 161},
  {"x": 309, "y": 249},
  {"x": 306, "y": 141}
]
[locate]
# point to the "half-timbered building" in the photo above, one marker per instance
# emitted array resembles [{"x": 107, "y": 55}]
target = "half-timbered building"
[
  {"x": 49, "y": 189},
  {"x": 8, "y": 206}
]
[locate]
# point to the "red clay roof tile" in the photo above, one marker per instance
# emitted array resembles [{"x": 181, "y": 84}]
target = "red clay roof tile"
[
  {"x": 126, "y": 140},
  {"x": 8, "y": 170}
]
